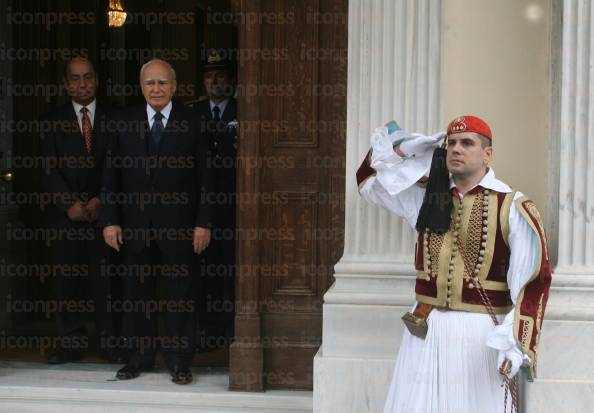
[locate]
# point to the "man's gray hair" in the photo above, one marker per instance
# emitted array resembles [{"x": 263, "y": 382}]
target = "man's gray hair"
[{"x": 153, "y": 61}]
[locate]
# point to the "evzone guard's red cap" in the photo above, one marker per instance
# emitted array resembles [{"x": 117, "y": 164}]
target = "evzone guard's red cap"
[{"x": 469, "y": 123}]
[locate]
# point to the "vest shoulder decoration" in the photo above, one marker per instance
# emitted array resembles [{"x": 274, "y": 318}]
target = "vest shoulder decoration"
[{"x": 533, "y": 297}]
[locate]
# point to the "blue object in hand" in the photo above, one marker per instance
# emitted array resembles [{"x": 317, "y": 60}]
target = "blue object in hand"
[{"x": 392, "y": 127}]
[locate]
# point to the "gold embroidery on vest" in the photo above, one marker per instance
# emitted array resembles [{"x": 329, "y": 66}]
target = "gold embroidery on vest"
[{"x": 474, "y": 222}]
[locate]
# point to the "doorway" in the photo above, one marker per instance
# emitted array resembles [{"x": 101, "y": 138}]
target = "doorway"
[
  {"x": 291, "y": 166},
  {"x": 39, "y": 38}
]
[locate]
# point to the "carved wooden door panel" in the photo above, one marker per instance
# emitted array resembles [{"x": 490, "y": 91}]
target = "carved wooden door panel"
[{"x": 291, "y": 185}]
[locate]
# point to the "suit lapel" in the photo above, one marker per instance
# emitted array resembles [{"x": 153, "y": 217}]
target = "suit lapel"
[
  {"x": 230, "y": 113},
  {"x": 208, "y": 110},
  {"x": 74, "y": 136},
  {"x": 169, "y": 129},
  {"x": 99, "y": 124},
  {"x": 170, "y": 122},
  {"x": 144, "y": 130}
]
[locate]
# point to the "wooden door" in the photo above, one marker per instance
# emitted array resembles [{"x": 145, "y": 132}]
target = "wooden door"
[{"x": 292, "y": 113}]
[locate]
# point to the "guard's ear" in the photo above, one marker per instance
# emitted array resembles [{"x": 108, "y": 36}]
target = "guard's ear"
[{"x": 488, "y": 154}]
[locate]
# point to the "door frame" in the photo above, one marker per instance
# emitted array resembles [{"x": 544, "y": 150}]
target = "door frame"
[{"x": 246, "y": 359}]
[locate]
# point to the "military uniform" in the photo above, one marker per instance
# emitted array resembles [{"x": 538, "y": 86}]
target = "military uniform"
[
  {"x": 495, "y": 247},
  {"x": 219, "y": 127}
]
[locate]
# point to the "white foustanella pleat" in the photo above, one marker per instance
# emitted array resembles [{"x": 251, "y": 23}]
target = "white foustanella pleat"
[{"x": 450, "y": 371}]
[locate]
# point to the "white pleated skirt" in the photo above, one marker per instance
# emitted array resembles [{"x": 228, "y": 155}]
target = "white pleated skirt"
[{"x": 450, "y": 371}]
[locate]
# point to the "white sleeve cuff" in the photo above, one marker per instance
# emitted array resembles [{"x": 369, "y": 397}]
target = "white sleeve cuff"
[{"x": 502, "y": 338}]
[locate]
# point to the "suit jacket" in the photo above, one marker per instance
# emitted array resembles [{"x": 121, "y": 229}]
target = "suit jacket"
[
  {"x": 160, "y": 190},
  {"x": 222, "y": 142},
  {"x": 70, "y": 172}
]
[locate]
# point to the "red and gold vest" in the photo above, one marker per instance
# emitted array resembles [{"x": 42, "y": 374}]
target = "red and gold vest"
[{"x": 450, "y": 266}]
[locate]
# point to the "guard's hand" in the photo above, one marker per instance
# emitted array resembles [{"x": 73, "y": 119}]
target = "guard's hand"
[
  {"x": 421, "y": 144},
  {"x": 77, "y": 212},
  {"x": 509, "y": 362},
  {"x": 201, "y": 239},
  {"x": 112, "y": 234}
]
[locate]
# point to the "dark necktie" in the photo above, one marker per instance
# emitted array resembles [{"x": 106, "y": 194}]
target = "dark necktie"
[
  {"x": 87, "y": 129},
  {"x": 217, "y": 113},
  {"x": 157, "y": 129}
]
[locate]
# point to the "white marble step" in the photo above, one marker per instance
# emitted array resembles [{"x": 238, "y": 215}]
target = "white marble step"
[{"x": 86, "y": 387}]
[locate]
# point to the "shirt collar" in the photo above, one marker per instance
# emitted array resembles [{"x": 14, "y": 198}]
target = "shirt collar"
[
  {"x": 222, "y": 105},
  {"x": 91, "y": 107},
  {"x": 166, "y": 111},
  {"x": 488, "y": 182}
]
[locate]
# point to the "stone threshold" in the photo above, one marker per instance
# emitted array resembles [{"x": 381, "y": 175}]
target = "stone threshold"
[{"x": 88, "y": 387}]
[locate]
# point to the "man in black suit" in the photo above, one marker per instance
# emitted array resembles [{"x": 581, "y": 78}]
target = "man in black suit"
[
  {"x": 74, "y": 148},
  {"x": 154, "y": 191},
  {"x": 218, "y": 126}
]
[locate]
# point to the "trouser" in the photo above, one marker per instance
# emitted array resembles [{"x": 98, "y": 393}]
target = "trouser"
[
  {"x": 160, "y": 283},
  {"x": 83, "y": 286}
]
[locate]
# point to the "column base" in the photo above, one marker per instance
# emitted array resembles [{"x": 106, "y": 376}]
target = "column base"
[
  {"x": 362, "y": 330},
  {"x": 350, "y": 385},
  {"x": 554, "y": 396},
  {"x": 565, "y": 372}
]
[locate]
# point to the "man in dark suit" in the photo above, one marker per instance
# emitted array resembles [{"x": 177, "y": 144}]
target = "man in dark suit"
[
  {"x": 154, "y": 191},
  {"x": 73, "y": 148},
  {"x": 218, "y": 126}
]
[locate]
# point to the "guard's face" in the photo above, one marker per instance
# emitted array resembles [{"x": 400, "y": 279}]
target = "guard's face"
[
  {"x": 81, "y": 82},
  {"x": 466, "y": 155},
  {"x": 217, "y": 84},
  {"x": 158, "y": 85}
]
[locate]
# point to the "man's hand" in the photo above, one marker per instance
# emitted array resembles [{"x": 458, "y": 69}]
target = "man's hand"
[
  {"x": 201, "y": 239},
  {"x": 93, "y": 207},
  {"x": 112, "y": 234},
  {"x": 509, "y": 362},
  {"x": 77, "y": 212},
  {"x": 420, "y": 145}
]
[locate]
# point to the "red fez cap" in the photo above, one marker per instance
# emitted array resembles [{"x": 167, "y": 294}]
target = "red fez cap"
[{"x": 469, "y": 123}]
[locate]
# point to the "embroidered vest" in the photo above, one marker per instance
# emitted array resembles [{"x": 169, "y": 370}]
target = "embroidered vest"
[{"x": 450, "y": 266}]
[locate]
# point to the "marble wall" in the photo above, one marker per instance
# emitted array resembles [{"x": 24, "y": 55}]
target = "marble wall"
[{"x": 394, "y": 72}]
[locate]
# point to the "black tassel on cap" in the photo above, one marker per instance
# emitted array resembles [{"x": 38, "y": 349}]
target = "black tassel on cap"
[{"x": 435, "y": 213}]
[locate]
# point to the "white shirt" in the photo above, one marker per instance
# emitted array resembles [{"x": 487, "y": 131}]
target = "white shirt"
[
  {"x": 91, "y": 107},
  {"x": 222, "y": 105},
  {"x": 393, "y": 188},
  {"x": 150, "y": 114},
  {"x": 488, "y": 182}
]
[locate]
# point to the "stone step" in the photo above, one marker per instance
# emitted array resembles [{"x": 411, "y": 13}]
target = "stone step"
[{"x": 87, "y": 387}]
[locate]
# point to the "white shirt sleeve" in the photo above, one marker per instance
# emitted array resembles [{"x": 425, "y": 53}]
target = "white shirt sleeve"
[
  {"x": 523, "y": 260},
  {"x": 393, "y": 186}
]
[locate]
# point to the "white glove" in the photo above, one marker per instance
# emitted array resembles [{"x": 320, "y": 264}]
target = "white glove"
[
  {"x": 514, "y": 356},
  {"x": 381, "y": 145},
  {"x": 421, "y": 144}
]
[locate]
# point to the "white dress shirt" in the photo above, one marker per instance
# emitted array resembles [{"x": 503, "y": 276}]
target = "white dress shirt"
[
  {"x": 222, "y": 105},
  {"x": 91, "y": 107},
  {"x": 150, "y": 114}
]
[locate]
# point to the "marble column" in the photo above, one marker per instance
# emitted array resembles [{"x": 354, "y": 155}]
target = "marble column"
[
  {"x": 566, "y": 365},
  {"x": 394, "y": 72}
]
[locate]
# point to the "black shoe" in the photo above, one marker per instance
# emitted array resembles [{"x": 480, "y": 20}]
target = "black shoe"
[
  {"x": 64, "y": 356},
  {"x": 181, "y": 375},
  {"x": 131, "y": 371}
]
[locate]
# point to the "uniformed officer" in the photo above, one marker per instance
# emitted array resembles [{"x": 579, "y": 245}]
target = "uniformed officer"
[{"x": 218, "y": 124}]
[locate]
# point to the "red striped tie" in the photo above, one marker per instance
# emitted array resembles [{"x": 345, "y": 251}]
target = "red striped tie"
[{"x": 87, "y": 129}]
